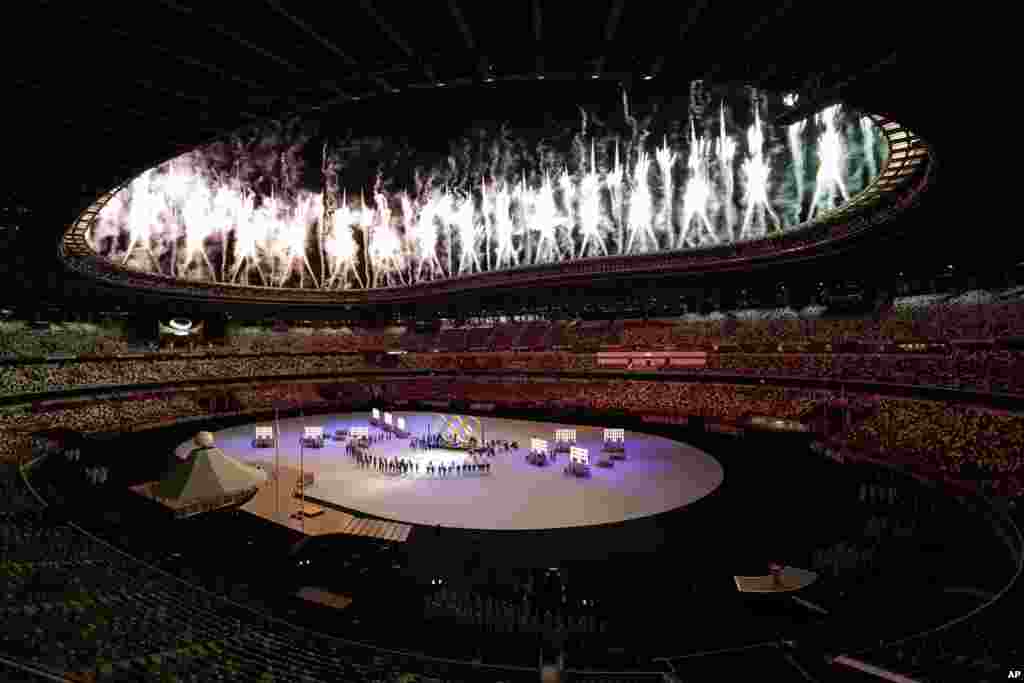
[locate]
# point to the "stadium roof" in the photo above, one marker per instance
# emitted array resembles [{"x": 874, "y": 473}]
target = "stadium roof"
[{"x": 102, "y": 91}]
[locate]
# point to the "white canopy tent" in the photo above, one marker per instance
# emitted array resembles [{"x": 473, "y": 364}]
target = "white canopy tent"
[{"x": 207, "y": 474}]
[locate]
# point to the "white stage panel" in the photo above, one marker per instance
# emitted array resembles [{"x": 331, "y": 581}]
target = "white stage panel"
[{"x": 615, "y": 435}]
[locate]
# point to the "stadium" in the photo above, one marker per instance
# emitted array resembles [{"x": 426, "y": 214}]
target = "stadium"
[{"x": 451, "y": 342}]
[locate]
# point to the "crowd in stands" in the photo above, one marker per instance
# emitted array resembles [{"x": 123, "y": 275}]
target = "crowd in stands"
[
  {"x": 16, "y": 426},
  {"x": 998, "y": 371},
  {"x": 974, "y": 315},
  {"x": 309, "y": 340},
  {"x": 987, "y": 371},
  {"x": 938, "y": 318},
  {"x": 963, "y": 442},
  {"x": 916, "y": 341},
  {"x": 720, "y": 401},
  {"x": 56, "y": 376},
  {"x": 21, "y": 340},
  {"x": 266, "y": 396},
  {"x": 536, "y": 361}
]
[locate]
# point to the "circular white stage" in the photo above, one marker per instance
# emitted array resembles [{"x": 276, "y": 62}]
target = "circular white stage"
[{"x": 658, "y": 475}]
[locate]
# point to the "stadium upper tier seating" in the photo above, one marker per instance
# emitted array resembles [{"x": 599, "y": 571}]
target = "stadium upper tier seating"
[
  {"x": 990, "y": 369},
  {"x": 908, "y": 320}
]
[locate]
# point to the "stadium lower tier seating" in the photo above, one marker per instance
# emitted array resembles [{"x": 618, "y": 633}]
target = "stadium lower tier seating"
[
  {"x": 74, "y": 605},
  {"x": 961, "y": 441}
]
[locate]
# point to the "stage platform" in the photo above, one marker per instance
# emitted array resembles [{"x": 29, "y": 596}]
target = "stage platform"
[
  {"x": 790, "y": 579},
  {"x": 275, "y": 502},
  {"x": 660, "y": 475}
]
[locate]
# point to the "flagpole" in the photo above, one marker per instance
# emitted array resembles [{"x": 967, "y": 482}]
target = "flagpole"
[
  {"x": 302, "y": 469},
  {"x": 277, "y": 465}
]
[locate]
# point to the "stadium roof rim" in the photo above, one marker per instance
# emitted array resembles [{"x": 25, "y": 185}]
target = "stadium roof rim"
[{"x": 908, "y": 171}]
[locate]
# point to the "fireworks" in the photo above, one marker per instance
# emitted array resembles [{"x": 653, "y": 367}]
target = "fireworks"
[
  {"x": 696, "y": 196},
  {"x": 756, "y": 173},
  {"x": 831, "y": 159},
  {"x": 641, "y": 214},
  {"x": 183, "y": 220}
]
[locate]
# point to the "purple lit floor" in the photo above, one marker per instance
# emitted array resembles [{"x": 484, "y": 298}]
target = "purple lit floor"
[{"x": 658, "y": 475}]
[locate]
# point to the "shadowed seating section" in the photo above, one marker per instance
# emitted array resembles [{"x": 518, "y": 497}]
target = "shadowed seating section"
[{"x": 75, "y": 605}]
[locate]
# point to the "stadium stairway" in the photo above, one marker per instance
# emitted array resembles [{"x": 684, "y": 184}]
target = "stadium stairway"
[{"x": 376, "y": 528}]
